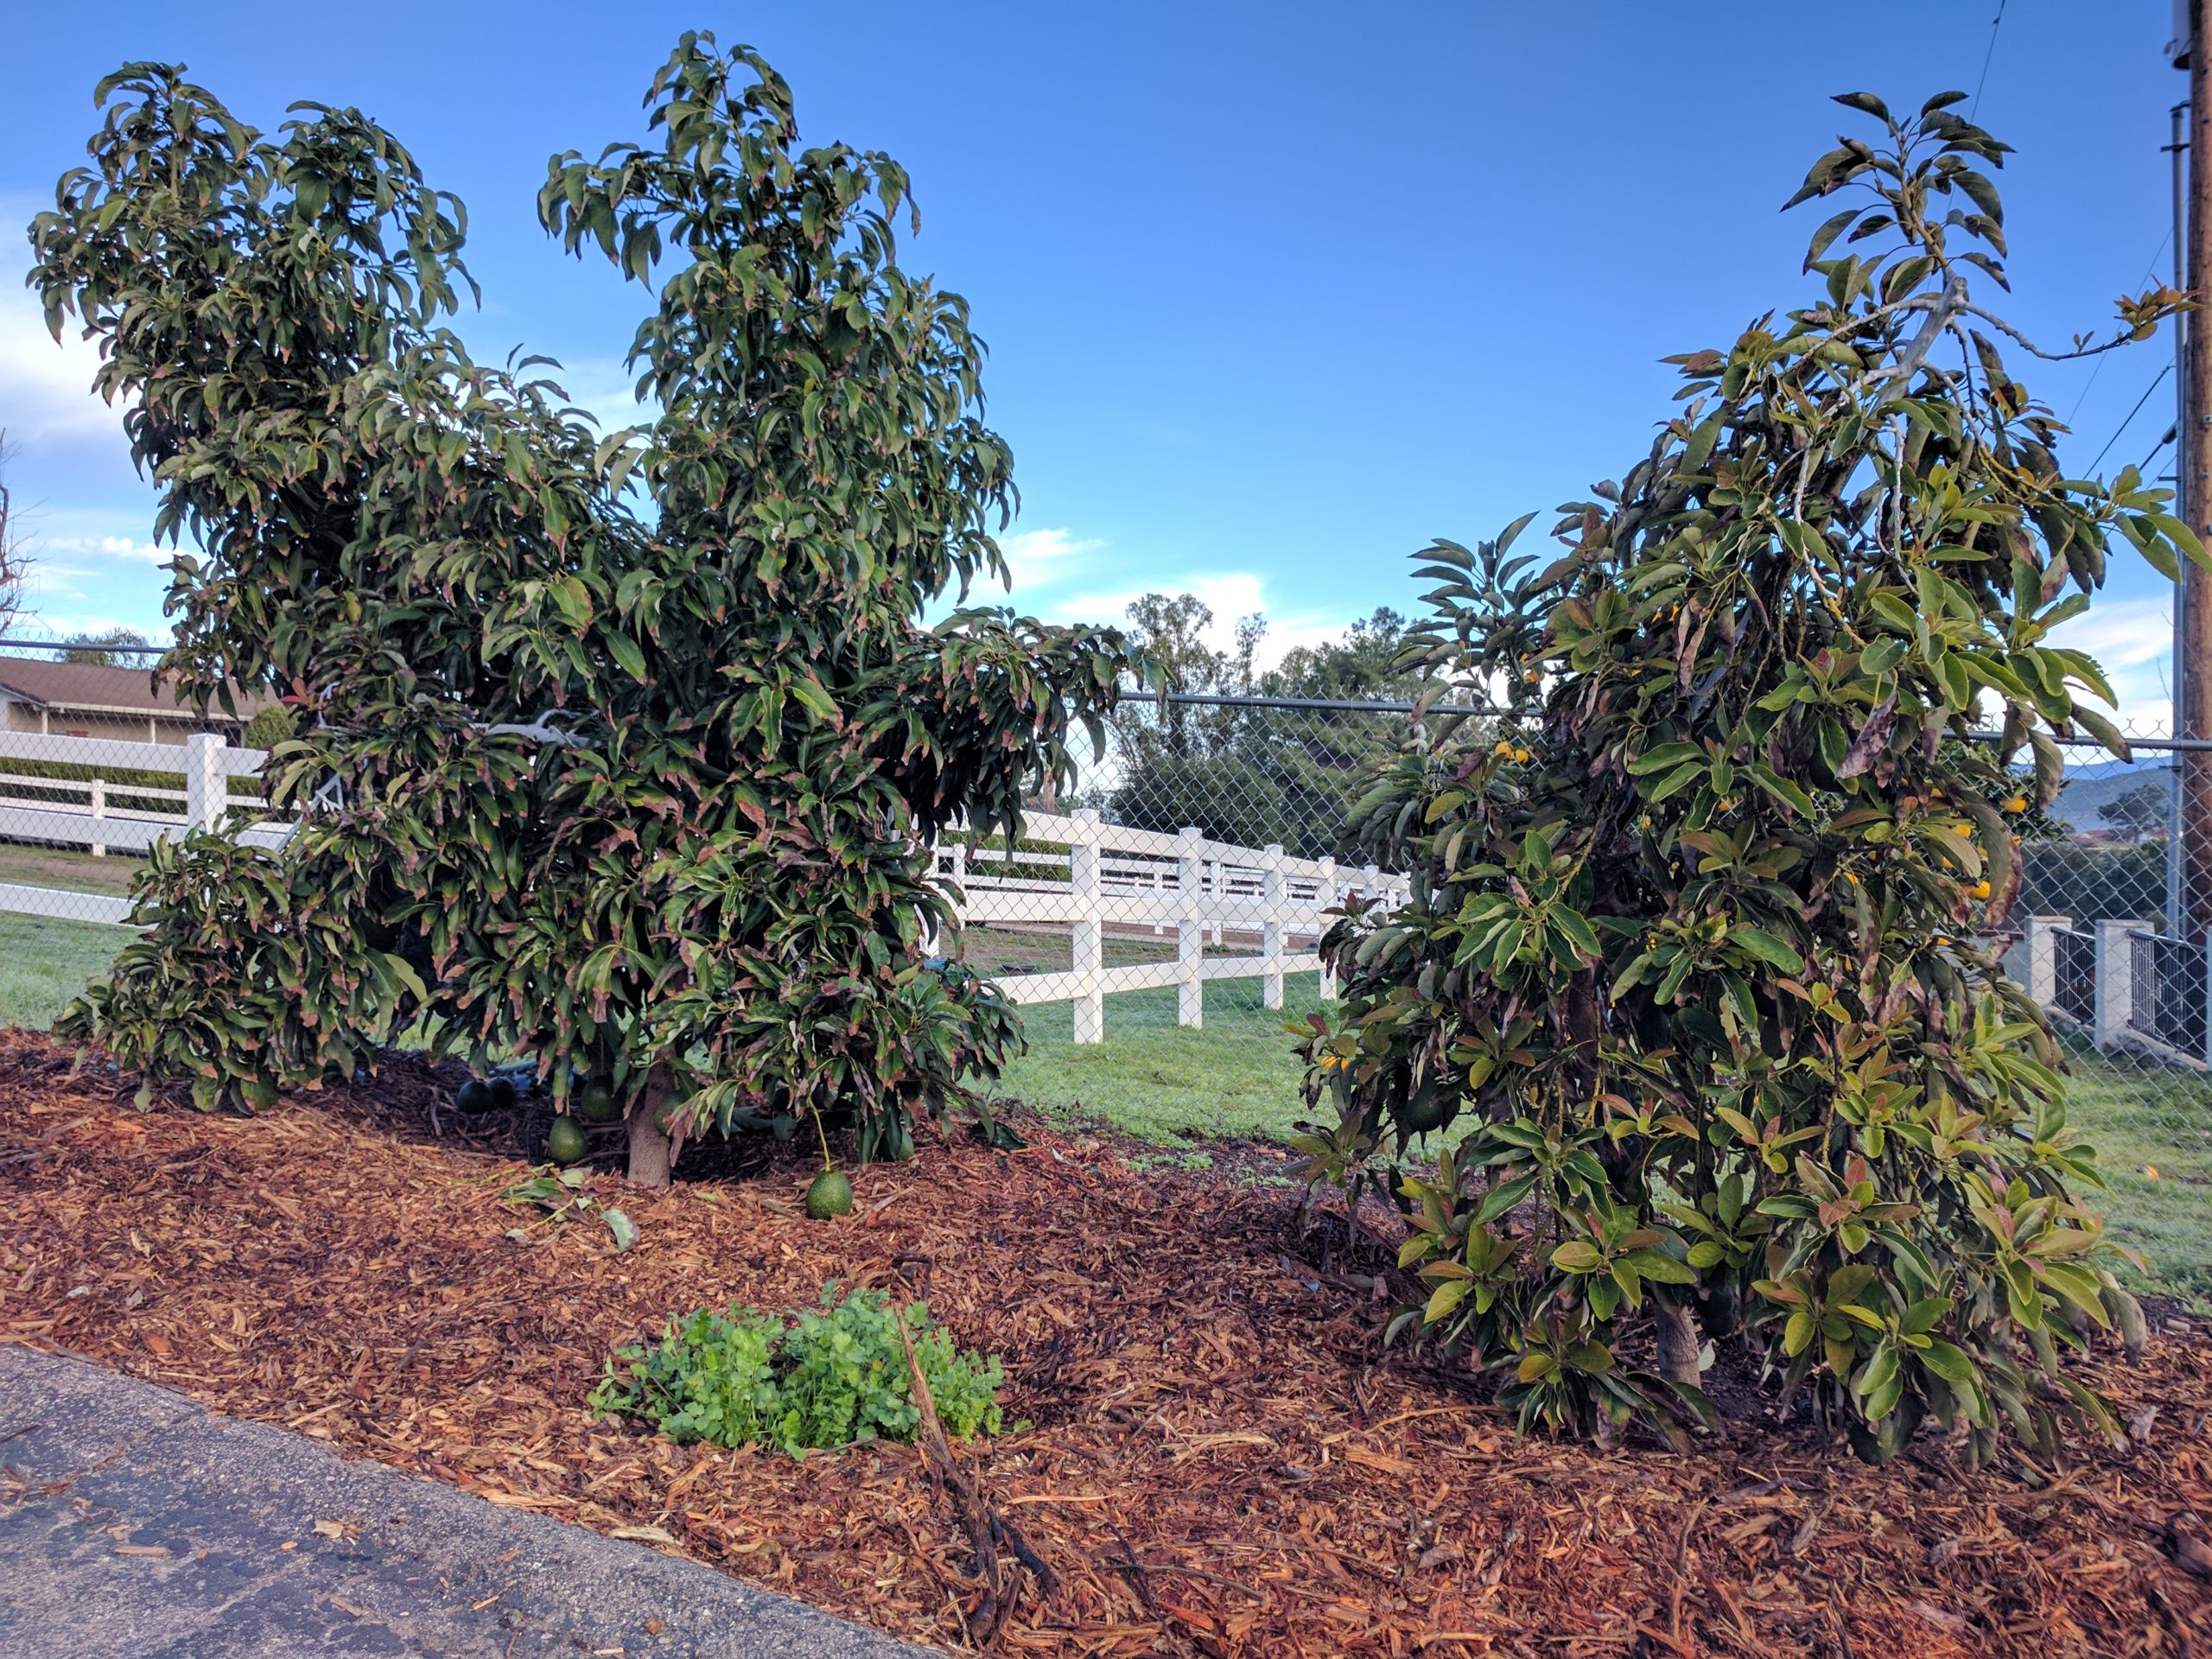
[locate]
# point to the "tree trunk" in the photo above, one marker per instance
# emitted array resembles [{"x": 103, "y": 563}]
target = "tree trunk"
[
  {"x": 1678, "y": 1343},
  {"x": 650, "y": 1156}
]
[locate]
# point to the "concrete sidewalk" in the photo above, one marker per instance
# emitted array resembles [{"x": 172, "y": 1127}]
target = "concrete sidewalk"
[{"x": 135, "y": 1525}]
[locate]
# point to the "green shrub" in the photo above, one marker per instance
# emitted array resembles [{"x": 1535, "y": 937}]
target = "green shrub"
[
  {"x": 1689, "y": 950},
  {"x": 630, "y": 747},
  {"x": 826, "y": 1379}
]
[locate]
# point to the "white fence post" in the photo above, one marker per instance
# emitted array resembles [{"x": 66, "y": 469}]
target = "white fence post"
[
  {"x": 1090, "y": 956},
  {"x": 1272, "y": 894},
  {"x": 930, "y": 944},
  {"x": 2115, "y": 991},
  {"x": 2043, "y": 957},
  {"x": 207, "y": 786},
  {"x": 99, "y": 816},
  {"x": 1190, "y": 936},
  {"x": 1325, "y": 899}
]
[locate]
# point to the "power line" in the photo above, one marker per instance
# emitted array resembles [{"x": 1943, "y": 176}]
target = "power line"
[
  {"x": 2150, "y": 271},
  {"x": 2132, "y": 414},
  {"x": 2172, "y": 432},
  {"x": 1995, "y": 23}
]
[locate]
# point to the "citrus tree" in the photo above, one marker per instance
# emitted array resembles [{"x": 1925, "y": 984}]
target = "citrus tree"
[
  {"x": 622, "y": 753},
  {"x": 1697, "y": 966}
]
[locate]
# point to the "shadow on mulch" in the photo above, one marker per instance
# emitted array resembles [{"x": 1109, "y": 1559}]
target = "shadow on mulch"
[{"x": 1223, "y": 1462}]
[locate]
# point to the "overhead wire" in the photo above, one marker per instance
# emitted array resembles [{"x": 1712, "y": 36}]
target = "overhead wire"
[
  {"x": 1995, "y": 23},
  {"x": 2156, "y": 381},
  {"x": 2149, "y": 273}
]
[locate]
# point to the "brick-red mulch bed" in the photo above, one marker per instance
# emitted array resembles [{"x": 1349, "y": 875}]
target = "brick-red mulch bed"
[{"x": 1222, "y": 1461}]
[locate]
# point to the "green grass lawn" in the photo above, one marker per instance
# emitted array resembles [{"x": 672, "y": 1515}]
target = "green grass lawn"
[
  {"x": 2142, "y": 1119},
  {"x": 1153, "y": 1078},
  {"x": 44, "y": 963},
  {"x": 52, "y": 867}
]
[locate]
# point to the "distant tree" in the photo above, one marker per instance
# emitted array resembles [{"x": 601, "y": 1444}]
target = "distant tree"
[
  {"x": 1360, "y": 666},
  {"x": 93, "y": 656},
  {"x": 1296, "y": 767},
  {"x": 15, "y": 563},
  {"x": 2137, "y": 812},
  {"x": 1173, "y": 629},
  {"x": 271, "y": 724},
  {"x": 1224, "y": 795}
]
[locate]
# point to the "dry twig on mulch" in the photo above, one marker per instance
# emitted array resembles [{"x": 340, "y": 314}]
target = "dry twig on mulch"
[{"x": 1221, "y": 1461}]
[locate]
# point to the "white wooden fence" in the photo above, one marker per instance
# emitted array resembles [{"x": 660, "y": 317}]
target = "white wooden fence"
[
  {"x": 103, "y": 813},
  {"x": 1261, "y": 911},
  {"x": 1141, "y": 882}
]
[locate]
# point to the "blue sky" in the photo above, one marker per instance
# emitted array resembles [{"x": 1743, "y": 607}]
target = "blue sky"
[{"x": 1275, "y": 293}]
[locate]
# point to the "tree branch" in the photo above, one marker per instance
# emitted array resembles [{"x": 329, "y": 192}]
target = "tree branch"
[
  {"x": 1997, "y": 322},
  {"x": 1948, "y": 304}
]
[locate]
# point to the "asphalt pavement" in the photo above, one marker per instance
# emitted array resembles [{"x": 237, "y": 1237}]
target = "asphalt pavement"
[{"x": 134, "y": 1524}]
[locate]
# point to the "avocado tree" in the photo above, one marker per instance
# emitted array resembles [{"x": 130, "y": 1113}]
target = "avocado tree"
[
  {"x": 1697, "y": 966},
  {"x": 621, "y": 753}
]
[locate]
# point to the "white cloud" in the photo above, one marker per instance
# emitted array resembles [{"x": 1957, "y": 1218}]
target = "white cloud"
[
  {"x": 2132, "y": 640},
  {"x": 1231, "y": 596},
  {"x": 112, "y": 546},
  {"x": 1042, "y": 557},
  {"x": 45, "y": 397}
]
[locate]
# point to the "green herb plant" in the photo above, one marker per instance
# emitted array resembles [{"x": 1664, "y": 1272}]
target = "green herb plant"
[
  {"x": 1698, "y": 965},
  {"x": 809, "y": 1381}
]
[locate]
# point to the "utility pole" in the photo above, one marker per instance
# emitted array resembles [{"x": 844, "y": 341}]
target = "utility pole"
[
  {"x": 2176, "y": 149},
  {"x": 2192, "y": 603}
]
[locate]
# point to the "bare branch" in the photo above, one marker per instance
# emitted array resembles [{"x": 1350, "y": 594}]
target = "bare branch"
[{"x": 1997, "y": 322}]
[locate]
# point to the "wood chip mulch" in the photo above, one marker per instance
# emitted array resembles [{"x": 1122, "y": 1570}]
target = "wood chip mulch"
[{"x": 1223, "y": 1462}]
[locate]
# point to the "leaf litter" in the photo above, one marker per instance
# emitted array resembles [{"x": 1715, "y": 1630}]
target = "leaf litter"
[{"x": 1222, "y": 1462}]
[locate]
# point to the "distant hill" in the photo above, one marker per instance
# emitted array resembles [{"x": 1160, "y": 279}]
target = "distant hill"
[{"x": 2087, "y": 789}]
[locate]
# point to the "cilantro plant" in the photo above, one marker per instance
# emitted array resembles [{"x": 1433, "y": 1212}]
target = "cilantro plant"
[{"x": 826, "y": 1378}]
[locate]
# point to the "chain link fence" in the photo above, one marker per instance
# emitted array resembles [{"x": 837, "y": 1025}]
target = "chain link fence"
[
  {"x": 1164, "y": 937},
  {"x": 1158, "y": 927}
]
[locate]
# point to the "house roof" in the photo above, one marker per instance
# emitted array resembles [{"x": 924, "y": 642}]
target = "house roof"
[{"x": 91, "y": 688}]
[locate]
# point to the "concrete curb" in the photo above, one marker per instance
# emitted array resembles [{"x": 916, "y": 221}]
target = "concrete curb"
[{"x": 134, "y": 1524}]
